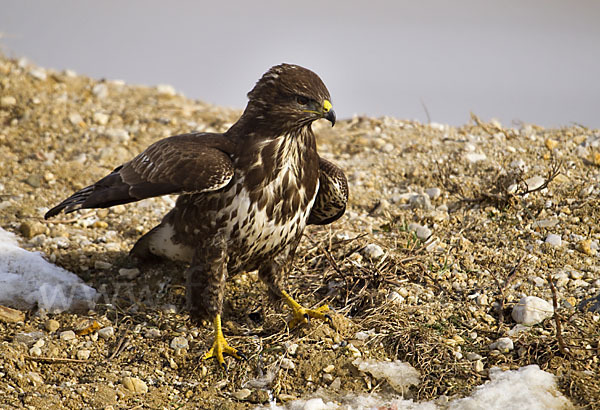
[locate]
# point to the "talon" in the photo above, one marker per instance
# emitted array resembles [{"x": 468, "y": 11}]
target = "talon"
[
  {"x": 303, "y": 315},
  {"x": 330, "y": 321},
  {"x": 220, "y": 347}
]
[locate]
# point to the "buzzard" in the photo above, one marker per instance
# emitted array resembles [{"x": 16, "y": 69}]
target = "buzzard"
[{"x": 245, "y": 196}]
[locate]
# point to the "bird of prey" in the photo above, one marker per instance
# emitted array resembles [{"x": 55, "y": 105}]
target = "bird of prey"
[{"x": 245, "y": 196}]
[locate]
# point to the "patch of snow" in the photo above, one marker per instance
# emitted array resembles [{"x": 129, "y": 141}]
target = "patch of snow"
[
  {"x": 526, "y": 388},
  {"x": 27, "y": 279},
  {"x": 398, "y": 374}
]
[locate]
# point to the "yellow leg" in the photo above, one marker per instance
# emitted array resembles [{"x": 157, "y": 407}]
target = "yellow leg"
[
  {"x": 220, "y": 346},
  {"x": 302, "y": 315}
]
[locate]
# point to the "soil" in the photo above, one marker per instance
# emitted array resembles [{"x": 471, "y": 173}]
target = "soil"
[{"x": 445, "y": 231}]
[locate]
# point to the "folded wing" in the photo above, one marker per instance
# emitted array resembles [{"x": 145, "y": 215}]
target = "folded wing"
[
  {"x": 188, "y": 163},
  {"x": 332, "y": 197}
]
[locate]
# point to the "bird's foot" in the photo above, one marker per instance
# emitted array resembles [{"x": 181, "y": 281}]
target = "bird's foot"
[
  {"x": 220, "y": 347},
  {"x": 302, "y": 315}
]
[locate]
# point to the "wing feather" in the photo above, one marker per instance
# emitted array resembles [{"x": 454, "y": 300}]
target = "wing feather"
[
  {"x": 332, "y": 197},
  {"x": 188, "y": 163}
]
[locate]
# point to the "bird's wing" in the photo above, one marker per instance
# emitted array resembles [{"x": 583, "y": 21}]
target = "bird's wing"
[
  {"x": 188, "y": 163},
  {"x": 332, "y": 197}
]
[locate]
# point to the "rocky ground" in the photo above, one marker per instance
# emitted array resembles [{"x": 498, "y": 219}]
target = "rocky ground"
[{"x": 447, "y": 229}]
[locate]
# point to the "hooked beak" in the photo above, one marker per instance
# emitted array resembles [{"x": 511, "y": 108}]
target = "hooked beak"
[{"x": 328, "y": 112}]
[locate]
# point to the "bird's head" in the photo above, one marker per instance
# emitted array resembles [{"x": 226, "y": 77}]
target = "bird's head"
[{"x": 291, "y": 97}]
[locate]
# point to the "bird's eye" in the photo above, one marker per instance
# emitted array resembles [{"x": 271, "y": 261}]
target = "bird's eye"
[{"x": 302, "y": 100}]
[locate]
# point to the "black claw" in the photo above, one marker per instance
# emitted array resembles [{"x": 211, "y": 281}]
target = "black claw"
[
  {"x": 242, "y": 356},
  {"x": 224, "y": 367},
  {"x": 307, "y": 317},
  {"x": 330, "y": 321}
]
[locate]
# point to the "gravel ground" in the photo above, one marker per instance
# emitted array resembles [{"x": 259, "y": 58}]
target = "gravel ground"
[{"x": 447, "y": 230}]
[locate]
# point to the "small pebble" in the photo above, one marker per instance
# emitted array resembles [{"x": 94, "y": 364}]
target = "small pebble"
[
  {"x": 35, "y": 351},
  {"x": 478, "y": 366},
  {"x": 287, "y": 364},
  {"x": 242, "y": 394},
  {"x": 83, "y": 354},
  {"x": 373, "y": 251},
  {"x": 152, "y": 333},
  {"x": 67, "y": 335},
  {"x": 102, "y": 265},
  {"x": 475, "y": 157},
  {"x": 395, "y": 297},
  {"x": 117, "y": 134},
  {"x": 553, "y": 239},
  {"x": 531, "y": 310},
  {"x": 534, "y": 182},
  {"x": 135, "y": 385},
  {"x": 100, "y": 118},
  {"x": 473, "y": 356},
  {"x": 100, "y": 91},
  {"x": 329, "y": 369},
  {"x": 166, "y": 89},
  {"x": 504, "y": 344},
  {"x": 328, "y": 378},
  {"x": 129, "y": 273},
  {"x": 179, "y": 342},
  {"x": 7, "y": 101},
  {"x": 420, "y": 201},
  {"x": 292, "y": 349},
  {"x": 38, "y": 73},
  {"x": 433, "y": 193},
  {"x": 423, "y": 233},
  {"x": 106, "y": 332}
]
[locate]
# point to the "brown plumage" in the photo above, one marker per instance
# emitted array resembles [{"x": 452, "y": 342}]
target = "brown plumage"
[{"x": 245, "y": 195}]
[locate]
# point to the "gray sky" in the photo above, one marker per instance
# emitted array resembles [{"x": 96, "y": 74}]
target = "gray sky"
[{"x": 531, "y": 61}]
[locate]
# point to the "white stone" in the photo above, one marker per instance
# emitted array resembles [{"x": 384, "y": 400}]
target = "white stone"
[
  {"x": 102, "y": 265},
  {"x": 531, "y": 310},
  {"x": 38, "y": 73},
  {"x": 545, "y": 223},
  {"x": 165, "y": 89},
  {"x": 395, "y": 297},
  {"x": 292, "y": 349},
  {"x": 135, "y": 385},
  {"x": 504, "y": 344},
  {"x": 242, "y": 394},
  {"x": 420, "y": 201},
  {"x": 434, "y": 192},
  {"x": 471, "y": 356},
  {"x": 534, "y": 182},
  {"x": 287, "y": 364},
  {"x": 100, "y": 90},
  {"x": 129, "y": 273},
  {"x": 83, "y": 354},
  {"x": 478, "y": 366},
  {"x": 7, "y": 101},
  {"x": 152, "y": 333},
  {"x": 117, "y": 134},
  {"x": 554, "y": 239},
  {"x": 35, "y": 351},
  {"x": 101, "y": 118},
  {"x": 67, "y": 335},
  {"x": 423, "y": 233},
  {"x": 179, "y": 342},
  {"x": 75, "y": 118},
  {"x": 475, "y": 157},
  {"x": 106, "y": 332},
  {"x": 373, "y": 251},
  {"x": 519, "y": 164}
]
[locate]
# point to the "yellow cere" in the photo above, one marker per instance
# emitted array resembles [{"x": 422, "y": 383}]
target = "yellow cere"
[{"x": 326, "y": 106}]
